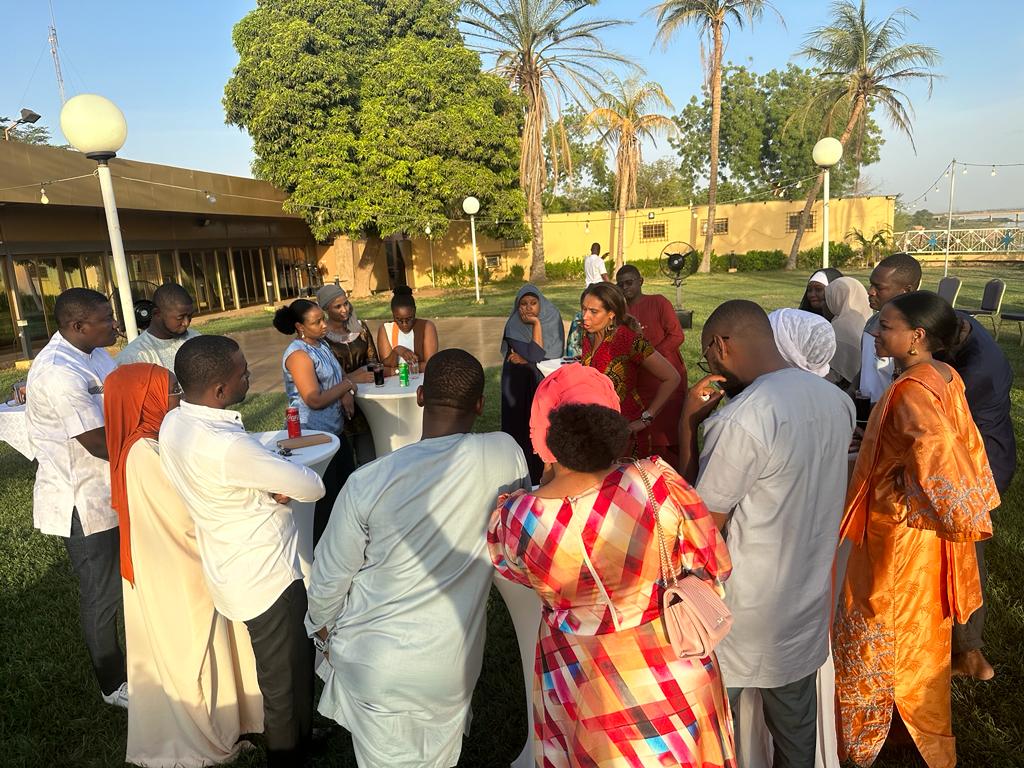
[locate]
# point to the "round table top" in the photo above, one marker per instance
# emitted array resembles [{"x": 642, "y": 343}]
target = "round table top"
[
  {"x": 12, "y": 407},
  {"x": 391, "y": 390},
  {"x": 307, "y": 456}
]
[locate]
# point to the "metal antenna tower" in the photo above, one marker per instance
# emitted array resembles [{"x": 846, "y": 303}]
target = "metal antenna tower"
[{"x": 56, "y": 56}]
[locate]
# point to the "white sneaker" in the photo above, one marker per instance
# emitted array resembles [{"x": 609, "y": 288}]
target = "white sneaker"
[{"x": 118, "y": 698}]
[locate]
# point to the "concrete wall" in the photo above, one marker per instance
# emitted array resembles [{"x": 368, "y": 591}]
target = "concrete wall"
[{"x": 751, "y": 226}]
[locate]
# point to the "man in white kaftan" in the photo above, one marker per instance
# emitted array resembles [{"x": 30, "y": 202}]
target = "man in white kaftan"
[{"x": 400, "y": 578}]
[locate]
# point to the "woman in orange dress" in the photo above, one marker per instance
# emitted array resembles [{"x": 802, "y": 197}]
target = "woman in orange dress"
[{"x": 920, "y": 496}]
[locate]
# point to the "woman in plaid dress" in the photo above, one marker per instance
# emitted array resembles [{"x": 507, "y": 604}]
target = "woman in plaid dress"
[{"x": 608, "y": 689}]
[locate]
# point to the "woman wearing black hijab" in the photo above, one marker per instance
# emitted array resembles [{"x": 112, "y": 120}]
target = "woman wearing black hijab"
[{"x": 533, "y": 332}]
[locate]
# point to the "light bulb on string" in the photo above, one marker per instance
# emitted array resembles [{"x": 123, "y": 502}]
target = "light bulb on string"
[
  {"x": 211, "y": 198},
  {"x": 42, "y": 196},
  {"x": 964, "y": 171},
  {"x": 993, "y": 171},
  {"x": 586, "y": 226},
  {"x": 946, "y": 174}
]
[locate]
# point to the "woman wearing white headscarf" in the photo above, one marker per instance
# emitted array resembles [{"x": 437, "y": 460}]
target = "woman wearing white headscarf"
[
  {"x": 847, "y": 300},
  {"x": 805, "y": 340},
  {"x": 814, "y": 294}
]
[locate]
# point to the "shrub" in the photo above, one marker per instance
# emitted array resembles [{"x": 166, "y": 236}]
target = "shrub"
[
  {"x": 570, "y": 269},
  {"x": 460, "y": 276},
  {"x": 840, "y": 255},
  {"x": 516, "y": 274}
]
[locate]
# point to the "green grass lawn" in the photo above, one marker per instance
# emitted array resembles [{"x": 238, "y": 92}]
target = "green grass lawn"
[{"x": 51, "y": 714}]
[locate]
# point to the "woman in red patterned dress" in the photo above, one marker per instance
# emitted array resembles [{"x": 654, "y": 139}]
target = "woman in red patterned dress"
[
  {"x": 614, "y": 344},
  {"x": 608, "y": 689}
]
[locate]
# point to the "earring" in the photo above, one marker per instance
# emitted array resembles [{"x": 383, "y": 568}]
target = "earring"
[{"x": 912, "y": 351}]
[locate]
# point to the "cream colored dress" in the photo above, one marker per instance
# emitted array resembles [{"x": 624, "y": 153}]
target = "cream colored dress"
[{"x": 191, "y": 673}]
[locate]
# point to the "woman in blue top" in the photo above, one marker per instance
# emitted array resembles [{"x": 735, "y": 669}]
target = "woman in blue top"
[{"x": 314, "y": 380}]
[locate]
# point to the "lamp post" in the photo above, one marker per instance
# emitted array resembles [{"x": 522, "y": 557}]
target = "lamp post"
[
  {"x": 27, "y": 117},
  {"x": 826, "y": 153},
  {"x": 949, "y": 218},
  {"x": 430, "y": 244},
  {"x": 472, "y": 206},
  {"x": 97, "y": 128}
]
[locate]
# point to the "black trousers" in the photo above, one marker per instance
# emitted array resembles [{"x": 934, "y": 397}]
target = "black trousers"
[
  {"x": 967, "y": 637},
  {"x": 96, "y": 561},
  {"x": 791, "y": 714},
  {"x": 337, "y": 472},
  {"x": 284, "y": 669}
]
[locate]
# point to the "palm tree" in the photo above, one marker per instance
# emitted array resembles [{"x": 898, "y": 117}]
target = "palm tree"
[
  {"x": 871, "y": 246},
  {"x": 547, "y": 54},
  {"x": 624, "y": 122},
  {"x": 863, "y": 64},
  {"x": 712, "y": 18}
]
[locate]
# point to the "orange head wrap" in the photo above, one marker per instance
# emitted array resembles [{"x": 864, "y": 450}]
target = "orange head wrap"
[{"x": 134, "y": 406}]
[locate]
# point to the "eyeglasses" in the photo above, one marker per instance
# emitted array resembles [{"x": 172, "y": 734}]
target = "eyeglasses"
[
  {"x": 177, "y": 391},
  {"x": 702, "y": 361}
]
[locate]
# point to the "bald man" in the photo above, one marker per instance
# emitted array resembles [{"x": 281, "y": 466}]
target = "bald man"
[
  {"x": 773, "y": 474},
  {"x": 168, "y": 329}
]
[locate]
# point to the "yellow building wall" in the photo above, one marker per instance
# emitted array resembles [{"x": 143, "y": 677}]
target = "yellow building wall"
[{"x": 751, "y": 227}]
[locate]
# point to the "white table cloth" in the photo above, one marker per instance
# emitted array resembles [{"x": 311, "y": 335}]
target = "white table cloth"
[
  {"x": 391, "y": 411},
  {"x": 14, "y": 430},
  {"x": 524, "y": 607},
  {"x": 547, "y": 367},
  {"x": 316, "y": 457}
]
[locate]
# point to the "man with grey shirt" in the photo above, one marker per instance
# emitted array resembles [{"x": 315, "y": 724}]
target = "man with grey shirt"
[{"x": 773, "y": 474}]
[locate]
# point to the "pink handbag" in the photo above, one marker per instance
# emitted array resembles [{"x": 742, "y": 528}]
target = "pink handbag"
[{"x": 696, "y": 618}]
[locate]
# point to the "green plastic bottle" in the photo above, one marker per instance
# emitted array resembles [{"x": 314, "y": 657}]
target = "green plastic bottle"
[{"x": 403, "y": 373}]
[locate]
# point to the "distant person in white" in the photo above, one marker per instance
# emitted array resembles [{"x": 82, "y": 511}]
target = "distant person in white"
[
  {"x": 168, "y": 329},
  {"x": 398, "y": 591},
  {"x": 773, "y": 474},
  {"x": 896, "y": 274},
  {"x": 236, "y": 492},
  {"x": 594, "y": 269},
  {"x": 71, "y": 498}
]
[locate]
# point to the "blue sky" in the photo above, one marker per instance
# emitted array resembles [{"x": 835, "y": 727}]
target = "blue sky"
[{"x": 165, "y": 65}]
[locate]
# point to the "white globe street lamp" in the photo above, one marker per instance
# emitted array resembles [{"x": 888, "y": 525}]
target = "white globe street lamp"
[
  {"x": 826, "y": 153},
  {"x": 472, "y": 206},
  {"x": 96, "y": 127}
]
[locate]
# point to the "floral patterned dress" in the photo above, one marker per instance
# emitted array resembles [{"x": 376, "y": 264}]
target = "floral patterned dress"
[
  {"x": 620, "y": 355},
  {"x": 608, "y": 690}
]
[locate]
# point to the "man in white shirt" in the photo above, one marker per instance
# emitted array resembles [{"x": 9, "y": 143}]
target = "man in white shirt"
[
  {"x": 895, "y": 274},
  {"x": 398, "y": 591},
  {"x": 773, "y": 474},
  {"x": 594, "y": 269},
  {"x": 168, "y": 329},
  {"x": 71, "y": 498},
  {"x": 236, "y": 492}
]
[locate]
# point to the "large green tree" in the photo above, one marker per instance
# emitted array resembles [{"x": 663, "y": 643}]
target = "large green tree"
[
  {"x": 375, "y": 118},
  {"x": 767, "y": 136},
  {"x": 712, "y": 19},
  {"x": 550, "y": 53},
  {"x": 864, "y": 63}
]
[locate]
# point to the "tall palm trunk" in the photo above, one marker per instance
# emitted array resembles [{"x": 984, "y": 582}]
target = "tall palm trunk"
[
  {"x": 531, "y": 172},
  {"x": 622, "y": 167},
  {"x": 812, "y": 194},
  {"x": 716, "y": 120}
]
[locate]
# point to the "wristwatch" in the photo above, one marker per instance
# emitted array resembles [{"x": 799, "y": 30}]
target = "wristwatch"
[
  {"x": 646, "y": 417},
  {"x": 319, "y": 644}
]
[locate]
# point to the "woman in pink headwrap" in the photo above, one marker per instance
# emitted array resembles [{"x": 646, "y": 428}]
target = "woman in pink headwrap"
[{"x": 608, "y": 688}]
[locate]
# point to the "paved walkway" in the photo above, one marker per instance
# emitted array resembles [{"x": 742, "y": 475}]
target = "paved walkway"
[{"x": 480, "y": 336}]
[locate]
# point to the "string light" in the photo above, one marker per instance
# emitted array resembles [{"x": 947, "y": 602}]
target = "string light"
[
  {"x": 993, "y": 171},
  {"x": 42, "y": 196},
  {"x": 210, "y": 197},
  {"x": 586, "y": 226}
]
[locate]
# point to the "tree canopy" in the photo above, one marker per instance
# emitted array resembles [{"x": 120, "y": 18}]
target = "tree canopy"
[
  {"x": 767, "y": 135},
  {"x": 374, "y": 117}
]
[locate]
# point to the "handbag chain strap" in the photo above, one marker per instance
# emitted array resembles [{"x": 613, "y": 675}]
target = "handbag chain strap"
[{"x": 666, "y": 571}]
